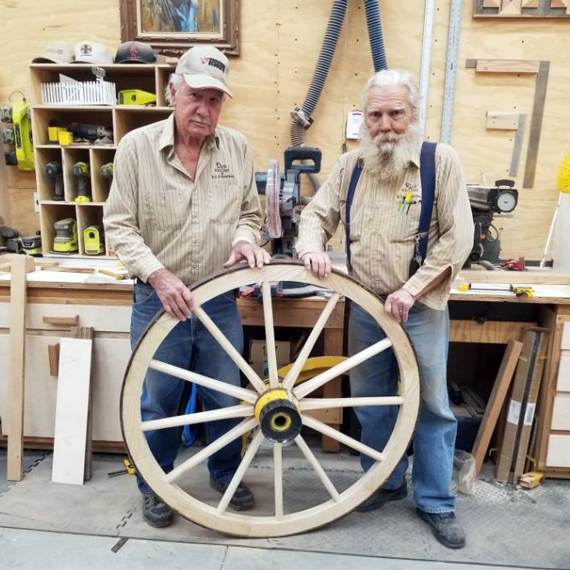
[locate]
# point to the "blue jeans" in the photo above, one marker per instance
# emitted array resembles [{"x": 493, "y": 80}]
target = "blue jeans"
[
  {"x": 191, "y": 347},
  {"x": 434, "y": 438}
]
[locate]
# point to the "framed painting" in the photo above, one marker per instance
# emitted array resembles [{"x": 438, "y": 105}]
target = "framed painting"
[{"x": 172, "y": 26}]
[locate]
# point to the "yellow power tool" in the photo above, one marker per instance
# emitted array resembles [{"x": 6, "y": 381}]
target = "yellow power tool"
[
  {"x": 65, "y": 240},
  {"x": 81, "y": 170}
]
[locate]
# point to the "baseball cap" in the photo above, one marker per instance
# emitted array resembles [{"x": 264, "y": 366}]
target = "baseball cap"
[
  {"x": 92, "y": 52},
  {"x": 205, "y": 67},
  {"x": 56, "y": 52},
  {"x": 135, "y": 52}
]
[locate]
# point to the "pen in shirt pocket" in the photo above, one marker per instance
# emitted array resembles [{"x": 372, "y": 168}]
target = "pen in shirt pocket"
[{"x": 406, "y": 201}]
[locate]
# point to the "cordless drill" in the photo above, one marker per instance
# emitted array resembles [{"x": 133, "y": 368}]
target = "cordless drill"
[
  {"x": 81, "y": 170},
  {"x": 54, "y": 170},
  {"x": 107, "y": 171}
]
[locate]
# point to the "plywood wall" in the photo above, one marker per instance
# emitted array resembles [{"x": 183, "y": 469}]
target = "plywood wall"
[{"x": 280, "y": 45}]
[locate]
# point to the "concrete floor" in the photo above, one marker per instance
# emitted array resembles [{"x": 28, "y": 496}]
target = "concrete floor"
[{"x": 54, "y": 526}]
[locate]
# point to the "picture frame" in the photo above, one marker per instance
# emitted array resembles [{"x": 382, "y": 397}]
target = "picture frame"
[{"x": 171, "y": 27}]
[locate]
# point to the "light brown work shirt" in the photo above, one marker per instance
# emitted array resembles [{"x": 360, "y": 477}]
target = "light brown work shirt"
[
  {"x": 158, "y": 216},
  {"x": 382, "y": 232}
]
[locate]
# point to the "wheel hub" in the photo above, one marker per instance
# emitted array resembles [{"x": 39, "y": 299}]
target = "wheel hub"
[{"x": 277, "y": 412}]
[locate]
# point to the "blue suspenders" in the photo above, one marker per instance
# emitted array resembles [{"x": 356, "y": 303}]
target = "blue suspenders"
[{"x": 427, "y": 176}]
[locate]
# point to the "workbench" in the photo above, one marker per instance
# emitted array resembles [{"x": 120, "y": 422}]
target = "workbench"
[{"x": 105, "y": 306}]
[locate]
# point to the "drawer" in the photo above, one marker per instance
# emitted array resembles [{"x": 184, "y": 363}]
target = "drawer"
[
  {"x": 565, "y": 343},
  {"x": 558, "y": 454},
  {"x": 563, "y": 381},
  {"x": 561, "y": 412},
  {"x": 103, "y": 318}
]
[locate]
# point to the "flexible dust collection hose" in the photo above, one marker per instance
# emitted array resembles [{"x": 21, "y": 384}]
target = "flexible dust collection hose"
[
  {"x": 375, "y": 34},
  {"x": 301, "y": 118}
]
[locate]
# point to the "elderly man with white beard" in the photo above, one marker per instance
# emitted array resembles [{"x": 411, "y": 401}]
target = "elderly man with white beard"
[{"x": 409, "y": 228}]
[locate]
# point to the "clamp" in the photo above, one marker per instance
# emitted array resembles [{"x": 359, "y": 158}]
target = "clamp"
[{"x": 130, "y": 469}]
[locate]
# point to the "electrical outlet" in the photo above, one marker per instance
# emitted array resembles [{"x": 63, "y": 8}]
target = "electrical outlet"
[{"x": 36, "y": 202}]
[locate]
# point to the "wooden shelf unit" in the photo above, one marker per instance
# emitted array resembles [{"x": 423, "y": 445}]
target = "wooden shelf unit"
[{"x": 120, "y": 118}]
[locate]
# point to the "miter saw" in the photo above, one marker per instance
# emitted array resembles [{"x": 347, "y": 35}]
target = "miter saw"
[
  {"x": 485, "y": 203},
  {"x": 283, "y": 196}
]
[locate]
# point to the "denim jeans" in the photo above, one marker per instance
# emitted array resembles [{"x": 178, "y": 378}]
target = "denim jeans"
[
  {"x": 434, "y": 438},
  {"x": 191, "y": 347}
]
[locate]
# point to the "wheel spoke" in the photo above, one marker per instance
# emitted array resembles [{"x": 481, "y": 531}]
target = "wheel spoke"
[
  {"x": 213, "y": 329},
  {"x": 238, "y": 411},
  {"x": 316, "y": 382},
  {"x": 269, "y": 334},
  {"x": 293, "y": 373},
  {"x": 238, "y": 475},
  {"x": 334, "y": 434},
  {"x": 278, "y": 479},
  {"x": 317, "y": 467},
  {"x": 217, "y": 385},
  {"x": 324, "y": 403},
  {"x": 203, "y": 454}
]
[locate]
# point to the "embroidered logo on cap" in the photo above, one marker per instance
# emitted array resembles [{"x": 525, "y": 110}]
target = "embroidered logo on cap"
[
  {"x": 86, "y": 49},
  {"x": 213, "y": 63}
]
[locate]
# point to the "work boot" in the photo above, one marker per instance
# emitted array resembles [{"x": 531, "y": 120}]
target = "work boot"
[
  {"x": 243, "y": 498},
  {"x": 383, "y": 496},
  {"x": 155, "y": 512},
  {"x": 445, "y": 528}
]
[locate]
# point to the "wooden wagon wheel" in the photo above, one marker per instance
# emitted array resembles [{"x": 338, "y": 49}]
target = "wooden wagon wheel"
[{"x": 275, "y": 410}]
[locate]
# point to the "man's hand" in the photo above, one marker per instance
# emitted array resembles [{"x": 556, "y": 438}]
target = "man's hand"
[
  {"x": 253, "y": 254},
  {"x": 398, "y": 304},
  {"x": 175, "y": 297},
  {"x": 319, "y": 263}
]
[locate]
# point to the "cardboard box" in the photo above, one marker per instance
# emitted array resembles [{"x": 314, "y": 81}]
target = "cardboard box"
[
  {"x": 522, "y": 405},
  {"x": 258, "y": 355}
]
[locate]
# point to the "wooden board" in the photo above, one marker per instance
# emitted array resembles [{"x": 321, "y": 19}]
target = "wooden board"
[
  {"x": 496, "y": 400},
  {"x": 490, "y": 332},
  {"x": 72, "y": 411},
  {"x": 547, "y": 277},
  {"x": 503, "y": 120},
  {"x": 20, "y": 266}
]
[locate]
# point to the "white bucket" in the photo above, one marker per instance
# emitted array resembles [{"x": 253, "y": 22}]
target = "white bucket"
[{"x": 561, "y": 255}]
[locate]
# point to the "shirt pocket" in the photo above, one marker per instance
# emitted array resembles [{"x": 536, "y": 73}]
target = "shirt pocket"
[
  {"x": 404, "y": 220},
  {"x": 224, "y": 203},
  {"x": 168, "y": 209}
]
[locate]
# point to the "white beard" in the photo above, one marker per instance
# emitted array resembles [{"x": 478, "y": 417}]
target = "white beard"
[{"x": 386, "y": 156}]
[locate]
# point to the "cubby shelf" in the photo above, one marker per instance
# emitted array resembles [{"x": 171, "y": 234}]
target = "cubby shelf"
[{"x": 119, "y": 118}]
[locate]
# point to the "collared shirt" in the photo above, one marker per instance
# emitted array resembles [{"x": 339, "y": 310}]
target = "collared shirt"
[
  {"x": 385, "y": 220},
  {"x": 158, "y": 216}
]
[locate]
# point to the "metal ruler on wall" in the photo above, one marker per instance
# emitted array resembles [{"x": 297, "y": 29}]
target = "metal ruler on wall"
[{"x": 451, "y": 69}]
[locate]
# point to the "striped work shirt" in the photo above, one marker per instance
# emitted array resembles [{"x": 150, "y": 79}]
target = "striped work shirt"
[
  {"x": 382, "y": 228},
  {"x": 158, "y": 216}
]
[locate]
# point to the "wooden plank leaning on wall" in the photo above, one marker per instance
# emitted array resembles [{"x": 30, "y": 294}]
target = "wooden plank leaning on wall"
[{"x": 20, "y": 266}]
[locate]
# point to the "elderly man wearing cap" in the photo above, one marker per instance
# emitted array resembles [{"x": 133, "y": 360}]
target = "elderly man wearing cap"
[{"x": 182, "y": 205}]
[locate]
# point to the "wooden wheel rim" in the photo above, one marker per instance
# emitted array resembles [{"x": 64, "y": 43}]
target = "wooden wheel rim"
[{"x": 255, "y": 525}]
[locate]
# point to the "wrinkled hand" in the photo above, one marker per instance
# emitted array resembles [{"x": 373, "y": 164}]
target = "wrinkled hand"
[
  {"x": 175, "y": 297},
  {"x": 253, "y": 254},
  {"x": 319, "y": 263},
  {"x": 398, "y": 304}
]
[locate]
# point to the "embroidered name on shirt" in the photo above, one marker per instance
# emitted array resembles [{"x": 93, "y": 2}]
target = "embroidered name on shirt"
[{"x": 221, "y": 171}]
